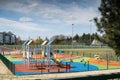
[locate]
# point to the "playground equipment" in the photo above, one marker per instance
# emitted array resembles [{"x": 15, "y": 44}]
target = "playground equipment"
[
  {"x": 42, "y": 57},
  {"x": 96, "y": 57},
  {"x": 27, "y": 53},
  {"x": 59, "y": 64}
]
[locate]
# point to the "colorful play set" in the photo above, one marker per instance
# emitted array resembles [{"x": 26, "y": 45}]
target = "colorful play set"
[{"x": 42, "y": 59}]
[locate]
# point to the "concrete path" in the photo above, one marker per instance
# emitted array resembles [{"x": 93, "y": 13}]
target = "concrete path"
[{"x": 4, "y": 69}]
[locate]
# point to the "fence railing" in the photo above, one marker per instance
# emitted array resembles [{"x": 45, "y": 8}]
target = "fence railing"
[
  {"x": 8, "y": 63},
  {"x": 108, "y": 56},
  {"x": 59, "y": 46},
  {"x": 76, "y": 46}
]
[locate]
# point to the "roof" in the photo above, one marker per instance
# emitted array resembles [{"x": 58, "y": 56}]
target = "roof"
[
  {"x": 96, "y": 42},
  {"x": 25, "y": 42},
  {"x": 31, "y": 42},
  {"x": 50, "y": 42},
  {"x": 44, "y": 42}
]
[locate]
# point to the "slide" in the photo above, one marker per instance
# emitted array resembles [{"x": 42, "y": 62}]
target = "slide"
[{"x": 57, "y": 62}]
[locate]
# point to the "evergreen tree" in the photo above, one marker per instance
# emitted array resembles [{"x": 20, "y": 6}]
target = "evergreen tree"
[
  {"x": 109, "y": 23},
  {"x": 76, "y": 37},
  {"x": 85, "y": 39}
]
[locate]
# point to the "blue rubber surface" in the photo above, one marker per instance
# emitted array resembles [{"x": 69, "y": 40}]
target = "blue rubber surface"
[
  {"x": 76, "y": 67},
  {"x": 79, "y": 67}
]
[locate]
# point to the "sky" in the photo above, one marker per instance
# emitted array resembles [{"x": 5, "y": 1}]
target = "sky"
[{"x": 46, "y": 18}]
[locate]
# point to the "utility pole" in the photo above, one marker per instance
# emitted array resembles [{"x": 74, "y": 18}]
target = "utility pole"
[
  {"x": 90, "y": 30},
  {"x": 72, "y": 34}
]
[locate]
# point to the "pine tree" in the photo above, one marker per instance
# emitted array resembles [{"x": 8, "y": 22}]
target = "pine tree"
[
  {"x": 76, "y": 37},
  {"x": 109, "y": 23}
]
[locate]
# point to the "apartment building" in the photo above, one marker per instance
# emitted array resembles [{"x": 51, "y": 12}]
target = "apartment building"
[{"x": 7, "y": 38}]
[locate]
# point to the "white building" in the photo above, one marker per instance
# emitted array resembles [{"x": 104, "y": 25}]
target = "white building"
[{"x": 97, "y": 43}]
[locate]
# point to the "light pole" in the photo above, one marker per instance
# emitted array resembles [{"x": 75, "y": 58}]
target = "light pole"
[
  {"x": 90, "y": 30},
  {"x": 72, "y": 34}
]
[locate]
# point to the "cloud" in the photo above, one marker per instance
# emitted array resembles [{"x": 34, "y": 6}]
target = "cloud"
[
  {"x": 51, "y": 16},
  {"x": 63, "y": 13},
  {"x": 21, "y": 25},
  {"x": 25, "y": 19}
]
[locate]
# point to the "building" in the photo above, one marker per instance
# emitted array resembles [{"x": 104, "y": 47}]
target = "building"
[
  {"x": 97, "y": 43},
  {"x": 7, "y": 38}
]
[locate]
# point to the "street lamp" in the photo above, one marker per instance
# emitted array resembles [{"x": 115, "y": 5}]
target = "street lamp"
[
  {"x": 90, "y": 30},
  {"x": 72, "y": 34}
]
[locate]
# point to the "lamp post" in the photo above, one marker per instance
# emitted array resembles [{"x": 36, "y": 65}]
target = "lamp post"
[
  {"x": 90, "y": 30},
  {"x": 72, "y": 34}
]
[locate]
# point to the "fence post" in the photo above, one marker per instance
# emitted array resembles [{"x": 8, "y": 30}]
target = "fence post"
[
  {"x": 66, "y": 66},
  {"x": 88, "y": 65},
  {"x": 77, "y": 53},
  {"x": 107, "y": 54},
  {"x": 83, "y": 54},
  {"x": 90, "y": 55},
  {"x": 41, "y": 67}
]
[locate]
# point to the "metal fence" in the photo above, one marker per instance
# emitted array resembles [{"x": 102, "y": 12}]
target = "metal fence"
[
  {"x": 104, "y": 53},
  {"x": 59, "y": 46},
  {"x": 107, "y": 55},
  {"x": 76, "y": 46}
]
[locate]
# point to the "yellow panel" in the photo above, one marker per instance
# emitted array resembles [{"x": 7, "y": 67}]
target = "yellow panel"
[{"x": 42, "y": 53}]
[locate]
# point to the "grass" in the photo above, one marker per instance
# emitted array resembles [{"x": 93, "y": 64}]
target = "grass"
[
  {"x": 81, "y": 59},
  {"x": 9, "y": 57},
  {"x": 104, "y": 53}
]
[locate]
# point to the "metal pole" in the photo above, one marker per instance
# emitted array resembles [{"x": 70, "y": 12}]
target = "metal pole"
[
  {"x": 90, "y": 30},
  {"x": 66, "y": 66},
  {"x": 90, "y": 33},
  {"x": 107, "y": 60},
  {"x": 72, "y": 35},
  {"x": 88, "y": 65}
]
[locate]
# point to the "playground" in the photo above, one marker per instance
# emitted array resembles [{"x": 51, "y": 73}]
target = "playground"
[
  {"x": 59, "y": 65},
  {"x": 46, "y": 60}
]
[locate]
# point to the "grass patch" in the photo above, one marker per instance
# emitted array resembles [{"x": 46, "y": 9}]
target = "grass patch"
[{"x": 9, "y": 57}]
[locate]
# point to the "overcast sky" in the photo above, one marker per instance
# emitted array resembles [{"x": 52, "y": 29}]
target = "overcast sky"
[{"x": 45, "y": 18}]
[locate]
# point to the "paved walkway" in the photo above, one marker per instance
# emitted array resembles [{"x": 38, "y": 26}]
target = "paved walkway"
[
  {"x": 71, "y": 75},
  {"x": 3, "y": 69}
]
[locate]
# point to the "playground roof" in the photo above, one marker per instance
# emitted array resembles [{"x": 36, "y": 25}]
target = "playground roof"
[
  {"x": 44, "y": 42},
  {"x": 31, "y": 42},
  {"x": 25, "y": 42},
  {"x": 50, "y": 42}
]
